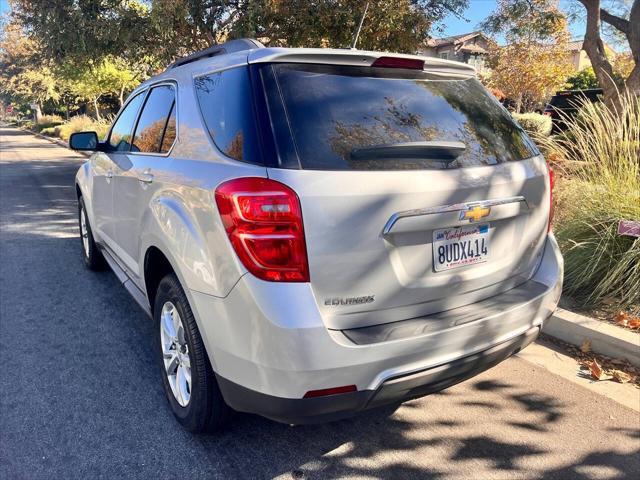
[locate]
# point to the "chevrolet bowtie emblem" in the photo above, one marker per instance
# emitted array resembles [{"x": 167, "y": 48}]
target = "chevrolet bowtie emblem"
[{"x": 475, "y": 213}]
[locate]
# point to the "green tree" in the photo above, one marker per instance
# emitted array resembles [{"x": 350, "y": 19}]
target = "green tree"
[
  {"x": 526, "y": 20},
  {"x": 585, "y": 78},
  {"x": 109, "y": 76},
  {"x": 535, "y": 61},
  {"x": 24, "y": 76},
  {"x": 86, "y": 29},
  {"x": 183, "y": 26}
]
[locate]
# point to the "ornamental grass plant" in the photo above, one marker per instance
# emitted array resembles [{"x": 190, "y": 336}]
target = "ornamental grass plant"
[{"x": 597, "y": 164}]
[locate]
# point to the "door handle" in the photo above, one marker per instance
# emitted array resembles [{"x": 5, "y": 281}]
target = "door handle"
[{"x": 145, "y": 177}]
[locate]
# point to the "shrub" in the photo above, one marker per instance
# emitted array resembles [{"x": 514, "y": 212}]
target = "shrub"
[
  {"x": 81, "y": 123},
  {"x": 47, "y": 121},
  {"x": 44, "y": 119},
  {"x": 598, "y": 170},
  {"x": 534, "y": 123},
  {"x": 49, "y": 131},
  {"x": 26, "y": 123},
  {"x": 585, "y": 78},
  {"x": 102, "y": 129}
]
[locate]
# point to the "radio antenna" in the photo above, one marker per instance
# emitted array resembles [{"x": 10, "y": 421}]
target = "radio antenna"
[{"x": 364, "y": 14}]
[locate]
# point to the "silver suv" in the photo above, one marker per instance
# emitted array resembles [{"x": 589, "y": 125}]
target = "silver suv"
[{"x": 316, "y": 232}]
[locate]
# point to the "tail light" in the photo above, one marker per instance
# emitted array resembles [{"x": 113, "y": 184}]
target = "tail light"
[
  {"x": 399, "y": 62},
  {"x": 551, "y": 185},
  {"x": 263, "y": 220}
]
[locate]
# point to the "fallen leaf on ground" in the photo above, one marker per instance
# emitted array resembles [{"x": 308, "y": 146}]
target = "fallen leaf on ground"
[
  {"x": 634, "y": 323},
  {"x": 595, "y": 369},
  {"x": 622, "y": 318},
  {"x": 621, "y": 377},
  {"x": 586, "y": 346}
]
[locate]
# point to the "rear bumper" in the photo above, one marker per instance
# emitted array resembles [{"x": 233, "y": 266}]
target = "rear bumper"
[
  {"x": 301, "y": 411},
  {"x": 269, "y": 346}
]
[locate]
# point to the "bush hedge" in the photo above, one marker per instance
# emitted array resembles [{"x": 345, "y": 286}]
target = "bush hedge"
[
  {"x": 534, "y": 123},
  {"x": 81, "y": 123}
]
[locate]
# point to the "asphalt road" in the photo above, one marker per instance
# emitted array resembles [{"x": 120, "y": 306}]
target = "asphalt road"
[{"x": 80, "y": 396}]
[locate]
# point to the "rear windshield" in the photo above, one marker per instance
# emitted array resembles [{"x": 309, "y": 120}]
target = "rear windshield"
[{"x": 322, "y": 114}]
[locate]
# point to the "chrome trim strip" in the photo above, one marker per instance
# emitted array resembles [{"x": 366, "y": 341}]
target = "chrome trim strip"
[{"x": 456, "y": 207}]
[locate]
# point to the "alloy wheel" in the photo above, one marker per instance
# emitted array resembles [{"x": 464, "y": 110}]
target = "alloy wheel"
[{"x": 175, "y": 353}]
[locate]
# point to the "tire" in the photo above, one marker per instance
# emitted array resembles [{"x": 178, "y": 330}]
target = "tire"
[
  {"x": 91, "y": 254},
  {"x": 198, "y": 406}
]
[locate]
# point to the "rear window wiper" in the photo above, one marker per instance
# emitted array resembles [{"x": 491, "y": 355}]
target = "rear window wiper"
[{"x": 425, "y": 150}]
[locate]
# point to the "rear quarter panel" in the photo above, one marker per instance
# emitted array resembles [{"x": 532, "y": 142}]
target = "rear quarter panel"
[{"x": 182, "y": 218}]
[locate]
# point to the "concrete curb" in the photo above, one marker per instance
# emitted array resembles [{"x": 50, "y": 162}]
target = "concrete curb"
[
  {"x": 606, "y": 339},
  {"x": 57, "y": 141}
]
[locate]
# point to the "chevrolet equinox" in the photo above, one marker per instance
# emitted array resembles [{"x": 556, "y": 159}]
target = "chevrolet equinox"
[{"x": 316, "y": 232}]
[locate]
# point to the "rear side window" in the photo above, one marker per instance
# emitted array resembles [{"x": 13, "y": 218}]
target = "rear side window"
[
  {"x": 334, "y": 113},
  {"x": 154, "y": 121},
  {"x": 120, "y": 137},
  {"x": 226, "y": 103}
]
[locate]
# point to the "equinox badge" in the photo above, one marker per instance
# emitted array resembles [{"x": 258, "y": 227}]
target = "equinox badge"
[{"x": 332, "y": 302}]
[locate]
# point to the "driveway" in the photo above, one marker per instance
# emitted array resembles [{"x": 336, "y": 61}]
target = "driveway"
[{"x": 80, "y": 396}]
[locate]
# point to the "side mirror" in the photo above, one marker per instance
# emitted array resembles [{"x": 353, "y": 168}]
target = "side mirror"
[{"x": 83, "y": 141}]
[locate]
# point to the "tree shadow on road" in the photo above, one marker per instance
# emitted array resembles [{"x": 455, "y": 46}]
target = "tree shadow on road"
[{"x": 81, "y": 395}]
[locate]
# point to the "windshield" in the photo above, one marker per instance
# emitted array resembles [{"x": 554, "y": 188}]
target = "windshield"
[{"x": 321, "y": 114}]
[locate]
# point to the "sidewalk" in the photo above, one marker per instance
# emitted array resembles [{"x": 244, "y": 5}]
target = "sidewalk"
[{"x": 606, "y": 339}]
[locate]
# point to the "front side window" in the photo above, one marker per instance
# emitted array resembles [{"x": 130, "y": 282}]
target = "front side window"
[
  {"x": 226, "y": 104},
  {"x": 120, "y": 137},
  {"x": 153, "y": 124}
]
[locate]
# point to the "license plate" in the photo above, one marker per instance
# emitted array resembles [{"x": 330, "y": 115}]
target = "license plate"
[{"x": 460, "y": 246}]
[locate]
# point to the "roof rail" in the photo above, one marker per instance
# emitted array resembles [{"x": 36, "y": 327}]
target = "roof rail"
[{"x": 228, "y": 47}]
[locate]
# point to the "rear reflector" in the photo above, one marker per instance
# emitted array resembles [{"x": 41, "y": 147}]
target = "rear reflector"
[
  {"x": 397, "y": 62},
  {"x": 263, "y": 220},
  {"x": 330, "y": 391}
]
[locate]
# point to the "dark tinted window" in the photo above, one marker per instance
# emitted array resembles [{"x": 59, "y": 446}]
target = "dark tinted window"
[
  {"x": 331, "y": 111},
  {"x": 153, "y": 120},
  {"x": 574, "y": 99},
  {"x": 226, "y": 105},
  {"x": 561, "y": 101},
  {"x": 120, "y": 138}
]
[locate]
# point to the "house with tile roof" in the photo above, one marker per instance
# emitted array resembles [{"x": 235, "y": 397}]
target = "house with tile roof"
[
  {"x": 473, "y": 47},
  {"x": 470, "y": 48},
  {"x": 579, "y": 57}
]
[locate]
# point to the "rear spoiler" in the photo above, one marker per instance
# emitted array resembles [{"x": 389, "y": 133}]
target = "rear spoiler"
[{"x": 355, "y": 58}]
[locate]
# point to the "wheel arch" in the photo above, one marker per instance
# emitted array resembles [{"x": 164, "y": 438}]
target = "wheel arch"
[{"x": 156, "y": 266}]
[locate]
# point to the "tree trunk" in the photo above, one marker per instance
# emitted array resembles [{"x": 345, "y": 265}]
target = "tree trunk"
[
  {"x": 37, "y": 113},
  {"x": 66, "y": 110},
  {"x": 633, "y": 35},
  {"x": 633, "y": 82},
  {"x": 594, "y": 47},
  {"x": 95, "y": 105},
  {"x": 519, "y": 104},
  {"x": 121, "y": 96}
]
